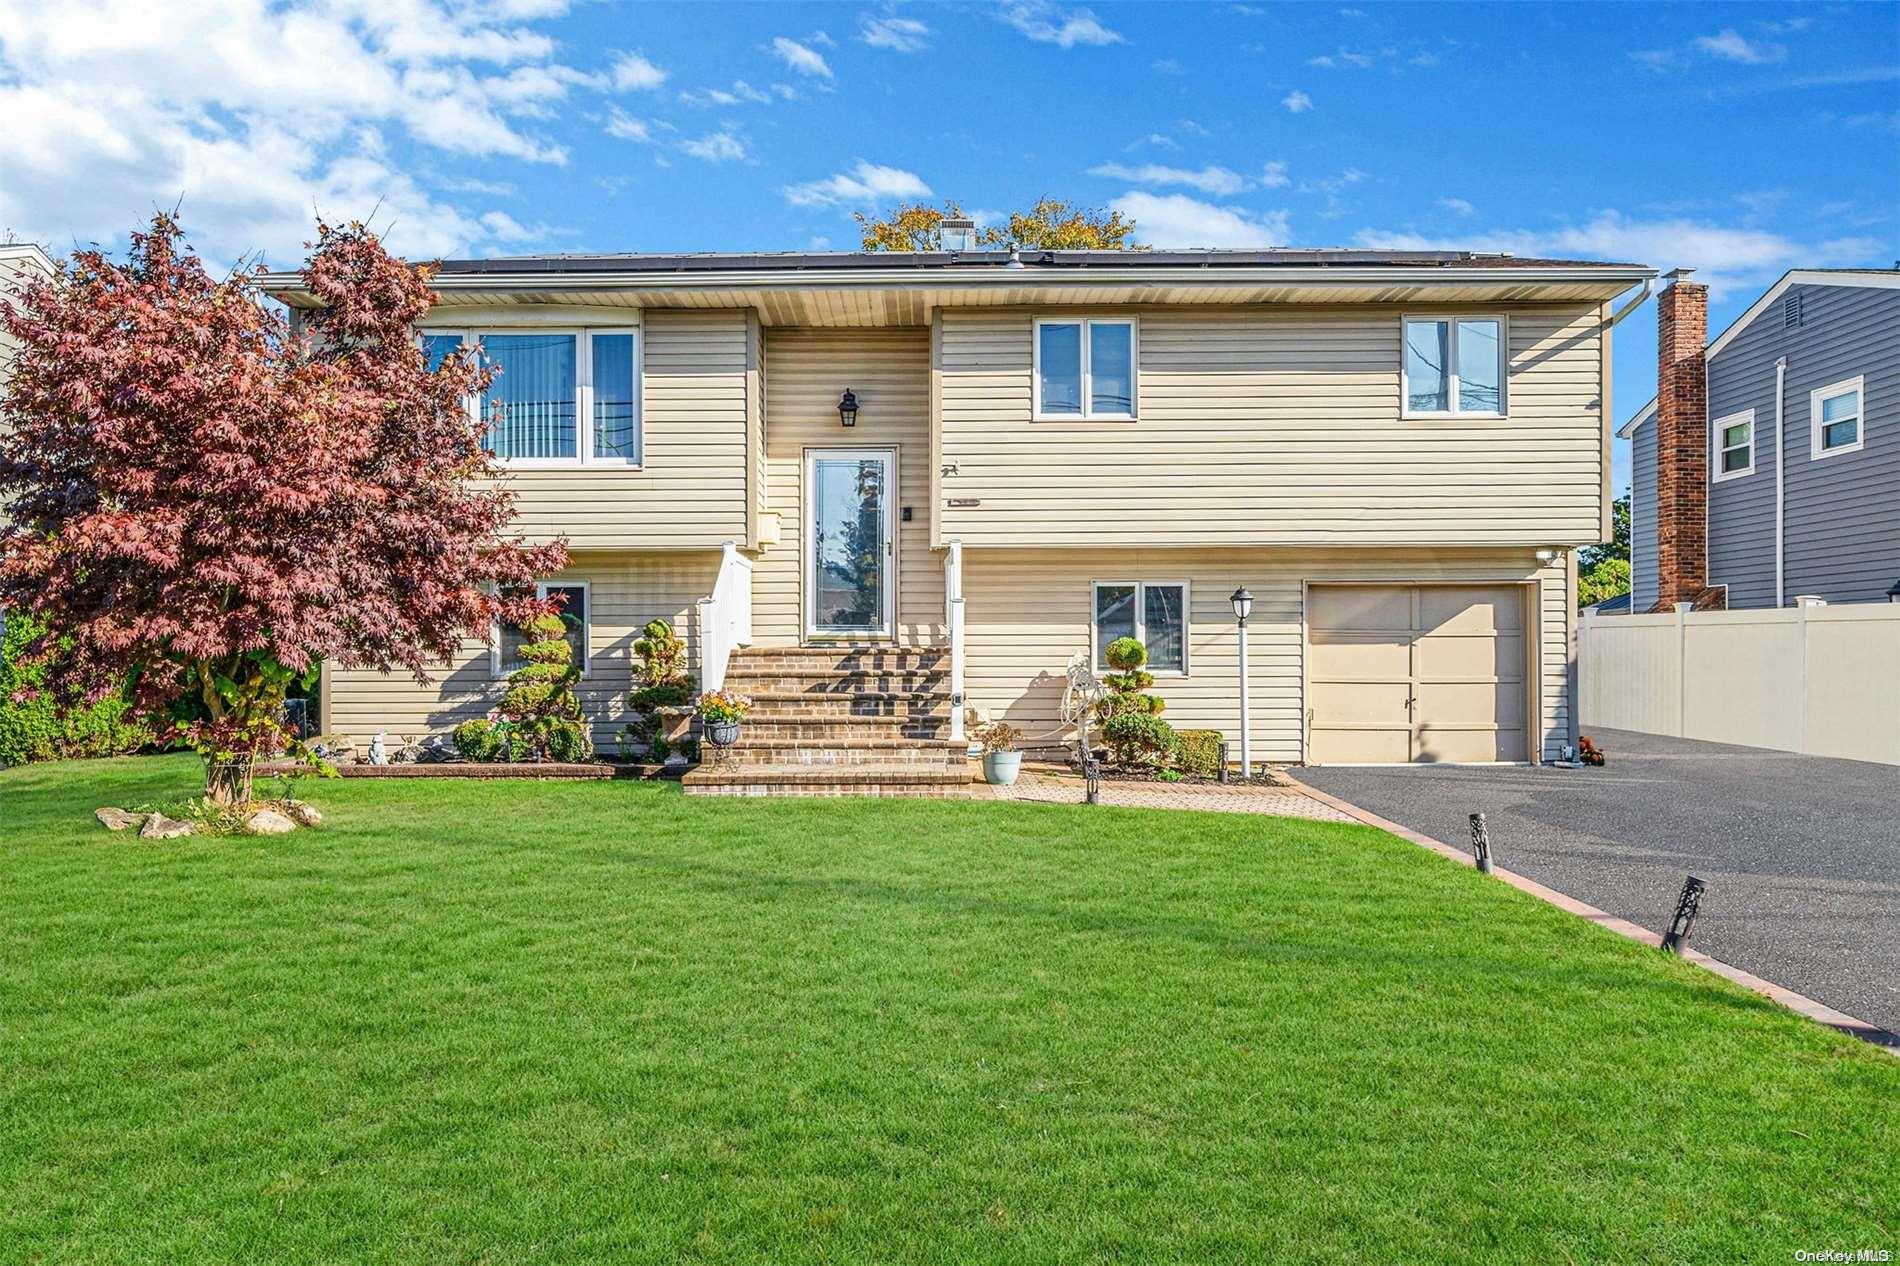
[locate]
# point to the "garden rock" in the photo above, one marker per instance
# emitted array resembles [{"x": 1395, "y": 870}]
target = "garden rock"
[
  {"x": 118, "y": 819},
  {"x": 304, "y": 813},
  {"x": 159, "y": 827},
  {"x": 269, "y": 822}
]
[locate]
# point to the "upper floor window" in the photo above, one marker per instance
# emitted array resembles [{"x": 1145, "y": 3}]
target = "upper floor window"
[
  {"x": 1836, "y": 416},
  {"x": 1734, "y": 446},
  {"x": 559, "y": 398},
  {"x": 1085, "y": 369},
  {"x": 1151, "y": 612},
  {"x": 1453, "y": 365}
]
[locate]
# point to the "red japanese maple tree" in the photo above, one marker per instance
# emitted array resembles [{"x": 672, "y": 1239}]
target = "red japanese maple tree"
[{"x": 204, "y": 503}]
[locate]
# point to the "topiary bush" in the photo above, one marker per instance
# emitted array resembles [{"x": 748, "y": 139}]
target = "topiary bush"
[
  {"x": 481, "y": 740},
  {"x": 34, "y": 730},
  {"x": 1139, "y": 740},
  {"x": 660, "y": 681},
  {"x": 1197, "y": 752},
  {"x": 540, "y": 707}
]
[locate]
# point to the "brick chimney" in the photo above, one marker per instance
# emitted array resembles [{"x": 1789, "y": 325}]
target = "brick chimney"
[{"x": 1682, "y": 441}]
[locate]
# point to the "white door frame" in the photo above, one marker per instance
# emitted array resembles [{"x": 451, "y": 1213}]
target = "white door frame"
[{"x": 808, "y": 563}]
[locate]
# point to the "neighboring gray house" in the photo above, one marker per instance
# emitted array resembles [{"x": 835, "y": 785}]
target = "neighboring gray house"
[{"x": 1777, "y": 475}]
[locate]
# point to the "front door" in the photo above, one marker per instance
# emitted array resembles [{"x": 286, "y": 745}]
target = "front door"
[{"x": 850, "y": 544}]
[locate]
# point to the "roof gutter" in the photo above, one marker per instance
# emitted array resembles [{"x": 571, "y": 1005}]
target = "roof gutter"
[{"x": 1004, "y": 277}]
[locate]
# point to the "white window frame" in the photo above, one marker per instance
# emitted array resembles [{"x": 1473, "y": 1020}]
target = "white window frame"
[
  {"x": 583, "y": 392},
  {"x": 1141, "y": 622},
  {"x": 1716, "y": 451},
  {"x": 500, "y": 671},
  {"x": 1817, "y": 431},
  {"x": 1407, "y": 413},
  {"x": 1088, "y": 413}
]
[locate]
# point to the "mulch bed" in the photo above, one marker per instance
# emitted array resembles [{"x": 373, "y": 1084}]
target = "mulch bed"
[
  {"x": 1113, "y": 773},
  {"x": 547, "y": 770}
]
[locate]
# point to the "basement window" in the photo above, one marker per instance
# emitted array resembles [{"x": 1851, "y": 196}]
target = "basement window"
[
  {"x": 1453, "y": 367},
  {"x": 574, "y": 613},
  {"x": 1835, "y": 414},
  {"x": 1085, "y": 369},
  {"x": 1154, "y": 613},
  {"x": 1734, "y": 446}
]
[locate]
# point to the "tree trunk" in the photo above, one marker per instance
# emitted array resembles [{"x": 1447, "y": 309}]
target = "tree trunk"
[{"x": 228, "y": 782}]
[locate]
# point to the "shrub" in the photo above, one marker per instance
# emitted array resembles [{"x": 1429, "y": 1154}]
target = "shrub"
[
  {"x": 481, "y": 740},
  {"x": 34, "y": 729},
  {"x": 660, "y": 681},
  {"x": 1138, "y": 739},
  {"x": 1197, "y": 752},
  {"x": 540, "y": 705}
]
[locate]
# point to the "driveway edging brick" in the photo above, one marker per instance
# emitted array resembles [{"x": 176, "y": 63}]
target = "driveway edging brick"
[{"x": 1800, "y": 1004}]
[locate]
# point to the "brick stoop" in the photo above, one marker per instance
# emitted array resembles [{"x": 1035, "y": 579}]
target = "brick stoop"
[{"x": 842, "y": 720}]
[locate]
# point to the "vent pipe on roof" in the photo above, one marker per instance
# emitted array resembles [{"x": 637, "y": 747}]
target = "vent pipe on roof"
[{"x": 1015, "y": 256}]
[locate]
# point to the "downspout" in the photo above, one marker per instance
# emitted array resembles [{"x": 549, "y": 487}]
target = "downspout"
[
  {"x": 1616, "y": 318},
  {"x": 1781, "y": 378}
]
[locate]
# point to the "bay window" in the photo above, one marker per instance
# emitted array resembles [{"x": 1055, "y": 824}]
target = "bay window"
[{"x": 1453, "y": 366}]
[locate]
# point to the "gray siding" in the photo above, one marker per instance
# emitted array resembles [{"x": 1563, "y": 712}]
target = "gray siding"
[
  {"x": 1842, "y": 513},
  {"x": 1643, "y": 518}
]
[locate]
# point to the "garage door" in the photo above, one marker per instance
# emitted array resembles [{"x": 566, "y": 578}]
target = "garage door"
[{"x": 1400, "y": 673}]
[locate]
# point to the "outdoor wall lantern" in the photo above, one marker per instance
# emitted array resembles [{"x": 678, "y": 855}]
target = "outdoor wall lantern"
[
  {"x": 848, "y": 407},
  {"x": 1243, "y": 607},
  {"x": 1893, "y": 594}
]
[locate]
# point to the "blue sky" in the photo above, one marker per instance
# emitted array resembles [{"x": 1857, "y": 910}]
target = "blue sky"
[{"x": 1738, "y": 139}]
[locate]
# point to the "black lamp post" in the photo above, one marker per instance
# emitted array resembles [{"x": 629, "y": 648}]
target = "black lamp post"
[
  {"x": 848, "y": 407},
  {"x": 1243, "y": 607}
]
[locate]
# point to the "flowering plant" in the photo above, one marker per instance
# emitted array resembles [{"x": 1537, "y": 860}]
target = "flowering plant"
[{"x": 723, "y": 705}]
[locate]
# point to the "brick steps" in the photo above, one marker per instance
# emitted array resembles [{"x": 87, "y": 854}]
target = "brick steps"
[{"x": 840, "y": 720}]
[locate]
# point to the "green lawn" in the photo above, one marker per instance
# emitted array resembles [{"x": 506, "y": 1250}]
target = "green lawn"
[{"x": 559, "y": 1023}]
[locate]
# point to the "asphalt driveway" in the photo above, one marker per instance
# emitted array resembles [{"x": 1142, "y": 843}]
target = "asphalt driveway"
[{"x": 1801, "y": 854}]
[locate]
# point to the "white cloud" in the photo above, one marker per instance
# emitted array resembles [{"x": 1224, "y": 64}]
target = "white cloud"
[
  {"x": 1296, "y": 102},
  {"x": 254, "y": 111},
  {"x": 1273, "y": 175},
  {"x": 1729, "y": 45},
  {"x": 864, "y": 183},
  {"x": 1727, "y": 258},
  {"x": 1048, "y": 23},
  {"x": 1344, "y": 59},
  {"x": 802, "y": 58},
  {"x": 900, "y": 35},
  {"x": 1214, "y": 180},
  {"x": 634, "y": 73},
  {"x": 740, "y": 93},
  {"x": 1457, "y": 206},
  {"x": 628, "y": 128},
  {"x": 719, "y": 147},
  {"x": 1180, "y": 221}
]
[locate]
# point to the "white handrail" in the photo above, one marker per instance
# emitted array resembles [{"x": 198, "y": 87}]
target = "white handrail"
[
  {"x": 953, "y": 621},
  {"x": 725, "y": 617}
]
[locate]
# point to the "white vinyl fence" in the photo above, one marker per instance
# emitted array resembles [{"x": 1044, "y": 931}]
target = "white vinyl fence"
[{"x": 1815, "y": 679}]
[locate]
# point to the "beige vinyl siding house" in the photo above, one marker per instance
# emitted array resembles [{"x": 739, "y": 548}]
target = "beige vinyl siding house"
[{"x": 1397, "y": 453}]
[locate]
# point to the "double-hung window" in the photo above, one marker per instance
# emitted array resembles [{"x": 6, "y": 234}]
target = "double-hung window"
[
  {"x": 1086, "y": 369},
  {"x": 574, "y": 613},
  {"x": 1453, "y": 366},
  {"x": 1734, "y": 446},
  {"x": 1837, "y": 416},
  {"x": 558, "y": 398},
  {"x": 1154, "y": 613}
]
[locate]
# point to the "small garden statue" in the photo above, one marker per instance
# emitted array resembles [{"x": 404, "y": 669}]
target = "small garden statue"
[
  {"x": 1137, "y": 737},
  {"x": 662, "y": 695}
]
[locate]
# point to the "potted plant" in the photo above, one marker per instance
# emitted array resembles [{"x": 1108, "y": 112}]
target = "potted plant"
[
  {"x": 1001, "y": 761},
  {"x": 721, "y": 711}
]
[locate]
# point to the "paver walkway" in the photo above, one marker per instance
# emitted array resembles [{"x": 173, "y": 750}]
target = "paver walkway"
[{"x": 1037, "y": 787}]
